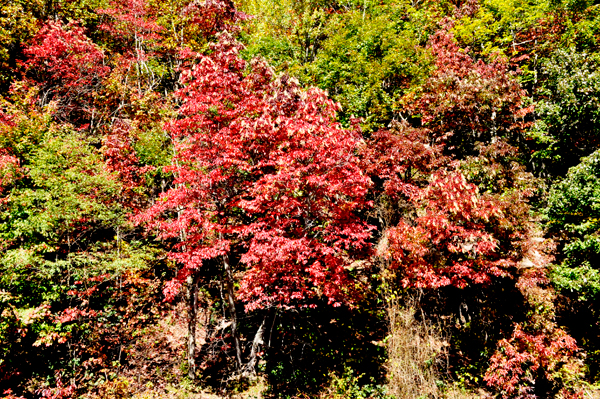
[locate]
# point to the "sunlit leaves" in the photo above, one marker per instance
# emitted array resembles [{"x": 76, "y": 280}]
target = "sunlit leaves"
[
  {"x": 573, "y": 210},
  {"x": 467, "y": 101},
  {"x": 68, "y": 67},
  {"x": 567, "y": 111},
  {"x": 263, "y": 169}
]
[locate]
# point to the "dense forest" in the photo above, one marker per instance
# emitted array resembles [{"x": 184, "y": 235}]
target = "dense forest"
[{"x": 299, "y": 199}]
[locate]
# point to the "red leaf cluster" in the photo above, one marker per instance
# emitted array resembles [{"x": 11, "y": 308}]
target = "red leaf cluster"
[
  {"x": 131, "y": 19},
  {"x": 263, "y": 171},
  {"x": 448, "y": 242},
  {"x": 60, "y": 391},
  {"x": 516, "y": 366},
  {"x": 466, "y": 101},
  {"x": 67, "y": 66},
  {"x": 9, "y": 170}
]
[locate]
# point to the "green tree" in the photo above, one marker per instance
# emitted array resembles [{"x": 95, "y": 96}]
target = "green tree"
[
  {"x": 62, "y": 234},
  {"x": 568, "y": 111},
  {"x": 574, "y": 219},
  {"x": 367, "y": 55}
]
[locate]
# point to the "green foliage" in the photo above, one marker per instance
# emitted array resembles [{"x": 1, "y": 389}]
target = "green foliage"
[
  {"x": 347, "y": 386},
  {"x": 366, "y": 55},
  {"x": 568, "y": 113},
  {"x": 369, "y": 61},
  {"x": 18, "y": 22},
  {"x": 496, "y": 25},
  {"x": 582, "y": 31},
  {"x": 61, "y": 234},
  {"x": 572, "y": 5},
  {"x": 574, "y": 210},
  {"x": 573, "y": 215},
  {"x": 574, "y": 202},
  {"x": 584, "y": 280},
  {"x": 153, "y": 148},
  {"x": 64, "y": 187}
]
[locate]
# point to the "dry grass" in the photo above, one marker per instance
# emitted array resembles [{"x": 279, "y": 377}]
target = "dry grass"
[
  {"x": 417, "y": 355},
  {"x": 415, "y": 347},
  {"x": 457, "y": 393},
  {"x": 126, "y": 388}
]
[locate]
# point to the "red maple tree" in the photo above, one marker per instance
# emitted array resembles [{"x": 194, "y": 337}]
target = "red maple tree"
[
  {"x": 68, "y": 68},
  {"x": 263, "y": 165},
  {"x": 266, "y": 184}
]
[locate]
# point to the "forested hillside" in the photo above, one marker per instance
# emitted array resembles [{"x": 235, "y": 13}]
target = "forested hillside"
[{"x": 299, "y": 199}]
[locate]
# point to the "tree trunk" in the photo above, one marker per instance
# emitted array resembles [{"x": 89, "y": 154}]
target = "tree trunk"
[
  {"x": 232, "y": 311},
  {"x": 250, "y": 368},
  {"x": 192, "y": 315}
]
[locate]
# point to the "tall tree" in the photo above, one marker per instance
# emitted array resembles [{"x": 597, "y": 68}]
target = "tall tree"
[{"x": 266, "y": 185}]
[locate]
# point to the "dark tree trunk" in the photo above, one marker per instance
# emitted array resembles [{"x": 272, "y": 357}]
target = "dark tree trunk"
[
  {"x": 192, "y": 316},
  {"x": 232, "y": 311}
]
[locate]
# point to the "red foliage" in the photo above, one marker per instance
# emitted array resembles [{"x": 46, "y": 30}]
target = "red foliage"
[
  {"x": 467, "y": 101},
  {"x": 136, "y": 20},
  {"x": 213, "y": 16},
  {"x": 467, "y": 9},
  {"x": 520, "y": 361},
  {"x": 264, "y": 171},
  {"x": 68, "y": 68},
  {"x": 9, "y": 395},
  {"x": 134, "y": 24},
  {"x": 60, "y": 391},
  {"x": 540, "y": 358},
  {"x": 132, "y": 19},
  {"x": 72, "y": 314},
  {"x": 9, "y": 170},
  {"x": 400, "y": 157},
  {"x": 121, "y": 158},
  {"x": 448, "y": 242},
  {"x": 445, "y": 232},
  {"x": 6, "y": 119}
]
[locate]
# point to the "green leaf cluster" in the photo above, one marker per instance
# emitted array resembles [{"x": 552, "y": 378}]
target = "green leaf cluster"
[
  {"x": 574, "y": 211},
  {"x": 568, "y": 110},
  {"x": 59, "y": 223},
  {"x": 366, "y": 55},
  {"x": 496, "y": 25}
]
